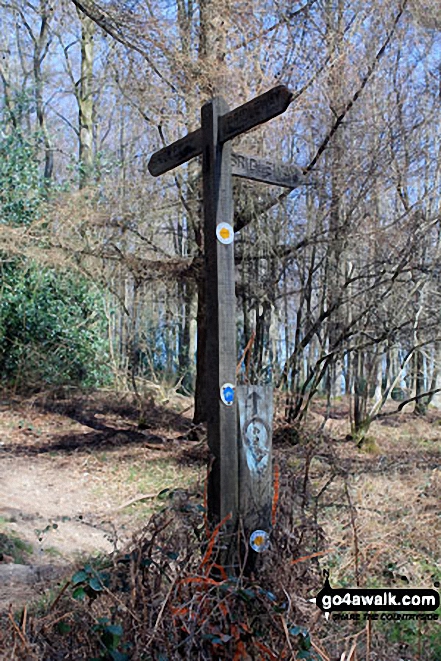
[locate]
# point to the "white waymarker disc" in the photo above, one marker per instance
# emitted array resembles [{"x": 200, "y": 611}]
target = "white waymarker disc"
[
  {"x": 225, "y": 233},
  {"x": 227, "y": 394},
  {"x": 259, "y": 541}
]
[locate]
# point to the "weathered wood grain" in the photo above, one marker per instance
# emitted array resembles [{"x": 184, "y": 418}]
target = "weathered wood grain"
[
  {"x": 176, "y": 154},
  {"x": 257, "y": 111},
  {"x": 255, "y": 405},
  {"x": 221, "y": 316},
  {"x": 247, "y": 460},
  {"x": 266, "y": 170},
  {"x": 230, "y": 124}
]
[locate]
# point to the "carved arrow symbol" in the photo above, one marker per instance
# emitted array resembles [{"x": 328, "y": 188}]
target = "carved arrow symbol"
[{"x": 255, "y": 397}]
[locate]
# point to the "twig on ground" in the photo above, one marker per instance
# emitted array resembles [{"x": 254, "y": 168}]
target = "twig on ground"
[
  {"x": 320, "y": 651},
  {"x": 136, "y": 499},
  {"x": 368, "y": 639},
  {"x": 21, "y": 635},
  {"x": 353, "y": 513},
  {"x": 285, "y": 629},
  {"x": 58, "y": 597},
  {"x": 161, "y": 613}
]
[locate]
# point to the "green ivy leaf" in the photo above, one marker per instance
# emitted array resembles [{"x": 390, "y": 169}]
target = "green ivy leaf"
[
  {"x": 79, "y": 594},
  {"x": 296, "y": 631},
  {"x": 63, "y": 628},
  {"x": 306, "y": 642},
  {"x": 112, "y": 636},
  {"x": 79, "y": 577},
  {"x": 119, "y": 656},
  {"x": 95, "y": 584},
  {"x": 246, "y": 594}
]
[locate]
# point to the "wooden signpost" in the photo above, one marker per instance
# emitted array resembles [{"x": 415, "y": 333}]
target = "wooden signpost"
[
  {"x": 255, "y": 405},
  {"x": 266, "y": 170},
  {"x": 219, "y": 126},
  {"x": 230, "y": 125}
]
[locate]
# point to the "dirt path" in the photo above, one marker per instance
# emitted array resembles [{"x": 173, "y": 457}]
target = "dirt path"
[
  {"x": 65, "y": 470},
  {"x": 50, "y": 508}
]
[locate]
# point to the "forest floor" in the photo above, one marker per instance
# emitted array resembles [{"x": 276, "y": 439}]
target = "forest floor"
[
  {"x": 69, "y": 471},
  {"x": 79, "y": 477}
]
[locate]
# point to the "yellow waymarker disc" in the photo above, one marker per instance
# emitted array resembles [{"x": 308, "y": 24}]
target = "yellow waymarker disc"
[
  {"x": 225, "y": 233},
  {"x": 259, "y": 541}
]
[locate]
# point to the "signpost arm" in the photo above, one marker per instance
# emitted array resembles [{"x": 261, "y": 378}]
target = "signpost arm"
[{"x": 220, "y": 315}]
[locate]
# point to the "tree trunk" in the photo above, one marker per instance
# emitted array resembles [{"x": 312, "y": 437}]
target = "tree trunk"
[
  {"x": 40, "y": 45},
  {"x": 85, "y": 101},
  {"x": 378, "y": 374},
  {"x": 186, "y": 371},
  {"x": 199, "y": 406},
  {"x": 435, "y": 399},
  {"x": 421, "y": 402}
]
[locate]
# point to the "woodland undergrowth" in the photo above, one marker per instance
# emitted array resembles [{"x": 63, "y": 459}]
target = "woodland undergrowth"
[{"x": 166, "y": 597}]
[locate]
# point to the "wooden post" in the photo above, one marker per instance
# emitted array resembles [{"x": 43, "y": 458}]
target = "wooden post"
[
  {"x": 221, "y": 354},
  {"x": 255, "y": 457},
  {"x": 213, "y": 140}
]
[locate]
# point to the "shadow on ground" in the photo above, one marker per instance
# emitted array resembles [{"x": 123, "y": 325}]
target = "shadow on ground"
[{"x": 113, "y": 424}]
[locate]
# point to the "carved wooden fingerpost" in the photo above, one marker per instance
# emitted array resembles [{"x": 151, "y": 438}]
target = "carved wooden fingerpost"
[{"x": 218, "y": 127}]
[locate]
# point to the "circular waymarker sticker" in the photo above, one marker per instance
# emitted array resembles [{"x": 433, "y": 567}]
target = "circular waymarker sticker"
[
  {"x": 259, "y": 541},
  {"x": 227, "y": 394},
  {"x": 225, "y": 233}
]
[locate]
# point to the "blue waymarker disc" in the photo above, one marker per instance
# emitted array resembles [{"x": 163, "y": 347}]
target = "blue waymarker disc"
[{"x": 227, "y": 394}]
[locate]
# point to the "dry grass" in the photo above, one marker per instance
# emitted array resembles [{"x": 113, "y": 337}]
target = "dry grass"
[
  {"x": 380, "y": 511},
  {"x": 369, "y": 517},
  {"x": 166, "y": 595}
]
